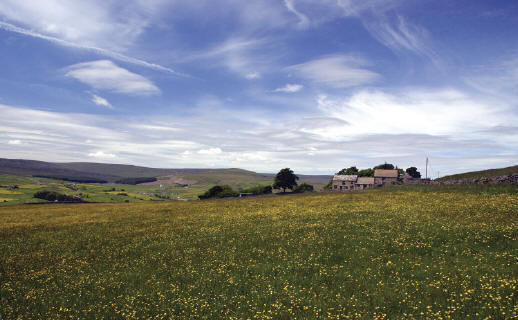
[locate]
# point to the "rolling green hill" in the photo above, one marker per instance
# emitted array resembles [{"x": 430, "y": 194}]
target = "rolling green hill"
[{"x": 481, "y": 174}]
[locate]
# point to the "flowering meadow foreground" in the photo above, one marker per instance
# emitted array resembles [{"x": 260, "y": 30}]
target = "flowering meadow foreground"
[{"x": 420, "y": 252}]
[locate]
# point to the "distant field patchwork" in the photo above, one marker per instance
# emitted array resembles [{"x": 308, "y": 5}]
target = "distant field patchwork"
[{"x": 26, "y": 187}]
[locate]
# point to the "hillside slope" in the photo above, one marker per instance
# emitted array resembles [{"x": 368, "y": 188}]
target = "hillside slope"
[
  {"x": 109, "y": 172},
  {"x": 113, "y": 172},
  {"x": 481, "y": 174},
  {"x": 19, "y": 167}
]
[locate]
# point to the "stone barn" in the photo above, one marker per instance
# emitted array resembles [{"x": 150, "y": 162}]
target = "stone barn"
[
  {"x": 364, "y": 183},
  {"x": 383, "y": 177}
]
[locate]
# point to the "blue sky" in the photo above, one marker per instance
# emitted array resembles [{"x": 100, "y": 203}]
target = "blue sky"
[{"x": 311, "y": 85}]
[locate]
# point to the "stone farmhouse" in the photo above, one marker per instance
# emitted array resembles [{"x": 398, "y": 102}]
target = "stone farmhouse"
[
  {"x": 353, "y": 182},
  {"x": 344, "y": 182}
]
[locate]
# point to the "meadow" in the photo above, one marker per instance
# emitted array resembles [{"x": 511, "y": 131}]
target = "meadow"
[{"x": 396, "y": 253}]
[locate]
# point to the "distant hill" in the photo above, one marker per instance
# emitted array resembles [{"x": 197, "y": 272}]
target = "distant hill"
[
  {"x": 108, "y": 172},
  {"x": 115, "y": 172},
  {"x": 481, "y": 174}
]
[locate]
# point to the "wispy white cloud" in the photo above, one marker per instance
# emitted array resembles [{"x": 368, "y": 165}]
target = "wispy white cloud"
[
  {"x": 100, "y": 101},
  {"x": 256, "y": 16},
  {"x": 231, "y": 45},
  {"x": 154, "y": 127},
  {"x": 105, "y": 75},
  {"x": 339, "y": 71},
  {"x": 105, "y": 24},
  {"x": 19, "y": 122},
  {"x": 357, "y": 8},
  {"x": 102, "y": 155},
  {"x": 382, "y": 20},
  {"x": 210, "y": 151},
  {"x": 289, "y": 88},
  {"x": 303, "y": 19},
  {"x": 240, "y": 55},
  {"x": 253, "y": 75},
  {"x": 402, "y": 35},
  {"x": 14, "y": 142},
  {"x": 101, "y": 51},
  {"x": 415, "y": 111},
  {"x": 498, "y": 78}
]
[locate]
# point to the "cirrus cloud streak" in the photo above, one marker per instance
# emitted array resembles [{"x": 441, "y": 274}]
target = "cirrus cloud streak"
[
  {"x": 106, "y": 75},
  {"x": 338, "y": 71}
]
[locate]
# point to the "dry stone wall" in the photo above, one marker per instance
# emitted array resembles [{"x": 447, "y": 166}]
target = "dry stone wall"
[{"x": 510, "y": 178}]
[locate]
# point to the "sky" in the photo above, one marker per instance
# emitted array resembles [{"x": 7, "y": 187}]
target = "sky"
[{"x": 315, "y": 86}]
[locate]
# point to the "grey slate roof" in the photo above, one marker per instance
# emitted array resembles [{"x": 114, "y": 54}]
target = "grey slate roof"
[
  {"x": 365, "y": 180},
  {"x": 341, "y": 177},
  {"x": 382, "y": 173}
]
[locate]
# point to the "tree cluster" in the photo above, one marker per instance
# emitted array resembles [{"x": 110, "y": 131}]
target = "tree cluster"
[
  {"x": 258, "y": 190},
  {"x": 303, "y": 187},
  {"x": 223, "y": 191},
  {"x": 135, "y": 181},
  {"x": 72, "y": 178},
  {"x": 412, "y": 171},
  {"x": 55, "y": 196}
]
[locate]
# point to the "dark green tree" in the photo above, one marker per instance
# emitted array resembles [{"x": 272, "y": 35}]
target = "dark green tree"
[
  {"x": 412, "y": 171},
  {"x": 366, "y": 173},
  {"x": 386, "y": 166},
  {"x": 303, "y": 187},
  {"x": 55, "y": 196},
  {"x": 223, "y": 191},
  {"x": 285, "y": 179},
  {"x": 258, "y": 190},
  {"x": 349, "y": 171}
]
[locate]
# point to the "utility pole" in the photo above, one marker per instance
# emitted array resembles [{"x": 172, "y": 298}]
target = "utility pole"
[{"x": 426, "y": 170}]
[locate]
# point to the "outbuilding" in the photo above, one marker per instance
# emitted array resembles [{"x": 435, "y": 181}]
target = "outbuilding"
[
  {"x": 383, "y": 176},
  {"x": 364, "y": 183}
]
